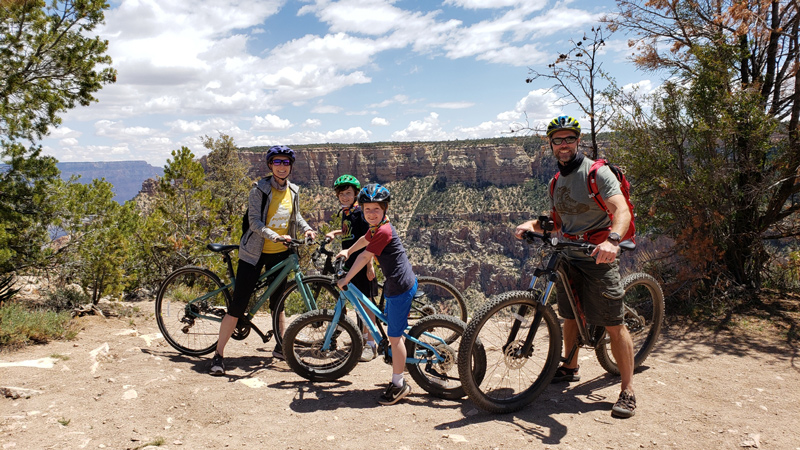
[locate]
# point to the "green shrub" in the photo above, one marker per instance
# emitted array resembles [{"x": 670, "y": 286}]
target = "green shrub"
[
  {"x": 19, "y": 326},
  {"x": 65, "y": 299}
]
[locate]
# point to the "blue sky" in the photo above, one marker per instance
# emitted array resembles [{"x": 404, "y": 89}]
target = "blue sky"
[{"x": 272, "y": 72}]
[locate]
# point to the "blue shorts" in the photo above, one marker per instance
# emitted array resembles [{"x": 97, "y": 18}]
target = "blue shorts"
[{"x": 397, "y": 309}]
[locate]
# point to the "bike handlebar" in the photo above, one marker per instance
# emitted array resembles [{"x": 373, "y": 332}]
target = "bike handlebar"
[{"x": 554, "y": 241}]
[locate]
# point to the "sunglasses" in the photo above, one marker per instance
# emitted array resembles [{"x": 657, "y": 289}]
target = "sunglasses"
[
  {"x": 568, "y": 140},
  {"x": 278, "y": 162}
]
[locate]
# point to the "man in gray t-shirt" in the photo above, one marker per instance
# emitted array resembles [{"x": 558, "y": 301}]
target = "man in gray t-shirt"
[{"x": 595, "y": 278}]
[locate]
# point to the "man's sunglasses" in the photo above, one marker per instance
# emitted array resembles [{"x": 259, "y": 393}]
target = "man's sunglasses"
[
  {"x": 568, "y": 140},
  {"x": 278, "y": 162}
]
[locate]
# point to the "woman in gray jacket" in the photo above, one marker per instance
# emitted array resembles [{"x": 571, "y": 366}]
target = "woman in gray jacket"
[{"x": 272, "y": 222}]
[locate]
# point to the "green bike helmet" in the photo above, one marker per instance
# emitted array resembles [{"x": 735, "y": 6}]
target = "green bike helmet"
[
  {"x": 563, "y": 123},
  {"x": 347, "y": 180}
]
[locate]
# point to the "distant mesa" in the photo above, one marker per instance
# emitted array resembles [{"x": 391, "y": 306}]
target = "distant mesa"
[{"x": 126, "y": 176}]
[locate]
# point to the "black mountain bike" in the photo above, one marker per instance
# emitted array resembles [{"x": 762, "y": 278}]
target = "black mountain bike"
[
  {"x": 522, "y": 339},
  {"x": 434, "y": 295}
]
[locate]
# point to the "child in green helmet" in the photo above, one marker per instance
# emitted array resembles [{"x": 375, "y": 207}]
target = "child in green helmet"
[{"x": 354, "y": 226}]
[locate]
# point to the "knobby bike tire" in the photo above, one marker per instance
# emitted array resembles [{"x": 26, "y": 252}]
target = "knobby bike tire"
[
  {"x": 510, "y": 381},
  {"x": 441, "y": 378},
  {"x": 291, "y": 304},
  {"x": 434, "y": 296},
  {"x": 187, "y": 333},
  {"x": 644, "y": 317},
  {"x": 303, "y": 342}
]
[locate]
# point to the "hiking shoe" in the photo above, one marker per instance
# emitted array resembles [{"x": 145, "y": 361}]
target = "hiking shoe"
[
  {"x": 625, "y": 406},
  {"x": 217, "y": 366},
  {"x": 277, "y": 353},
  {"x": 394, "y": 394},
  {"x": 368, "y": 354},
  {"x": 566, "y": 374}
]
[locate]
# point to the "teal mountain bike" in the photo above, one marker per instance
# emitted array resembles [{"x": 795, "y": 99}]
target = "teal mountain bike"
[{"x": 192, "y": 301}]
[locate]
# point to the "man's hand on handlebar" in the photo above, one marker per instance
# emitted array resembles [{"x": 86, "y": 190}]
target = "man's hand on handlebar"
[
  {"x": 605, "y": 253},
  {"x": 541, "y": 225},
  {"x": 522, "y": 228}
]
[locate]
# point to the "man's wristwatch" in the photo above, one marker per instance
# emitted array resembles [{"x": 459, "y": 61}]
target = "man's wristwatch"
[{"x": 614, "y": 237}]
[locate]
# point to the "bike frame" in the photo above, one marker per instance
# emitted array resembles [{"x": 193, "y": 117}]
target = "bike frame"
[
  {"x": 552, "y": 273},
  {"x": 361, "y": 305},
  {"x": 280, "y": 272}
]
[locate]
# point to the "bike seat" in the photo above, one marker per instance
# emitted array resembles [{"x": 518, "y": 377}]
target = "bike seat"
[{"x": 221, "y": 248}]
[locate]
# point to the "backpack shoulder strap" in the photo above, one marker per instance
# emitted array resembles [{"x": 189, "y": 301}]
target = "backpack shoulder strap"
[
  {"x": 263, "y": 202},
  {"x": 553, "y": 183},
  {"x": 591, "y": 180}
]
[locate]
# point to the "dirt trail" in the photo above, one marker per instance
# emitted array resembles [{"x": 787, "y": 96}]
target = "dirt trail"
[{"x": 120, "y": 386}]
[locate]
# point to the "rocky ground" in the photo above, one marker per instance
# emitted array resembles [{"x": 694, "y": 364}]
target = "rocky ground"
[{"x": 120, "y": 386}]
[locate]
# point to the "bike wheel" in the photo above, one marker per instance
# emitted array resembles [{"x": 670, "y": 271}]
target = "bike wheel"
[
  {"x": 303, "y": 343},
  {"x": 440, "y": 378},
  {"x": 190, "y": 304},
  {"x": 291, "y": 304},
  {"x": 644, "y": 316},
  {"x": 437, "y": 296},
  {"x": 511, "y": 380}
]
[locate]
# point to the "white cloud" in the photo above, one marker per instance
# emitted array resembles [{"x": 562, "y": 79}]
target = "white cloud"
[
  {"x": 379, "y": 122},
  {"x": 428, "y": 129},
  {"x": 452, "y": 105},
  {"x": 485, "y": 4},
  {"x": 326, "y": 109},
  {"x": 117, "y": 130},
  {"x": 341, "y": 136},
  {"x": 68, "y": 142},
  {"x": 399, "y": 98},
  {"x": 63, "y": 132},
  {"x": 270, "y": 122},
  {"x": 372, "y": 17},
  {"x": 208, "y": 127},
  {"x": 312, "y": 123}
]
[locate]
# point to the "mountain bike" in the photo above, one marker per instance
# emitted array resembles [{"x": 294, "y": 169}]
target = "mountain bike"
[
  {"x": 192, "y": 301},
  {"x": 326, "y": 344},
  {"x": 522, "y": 339},
  {"x": 434, "y": 295}
]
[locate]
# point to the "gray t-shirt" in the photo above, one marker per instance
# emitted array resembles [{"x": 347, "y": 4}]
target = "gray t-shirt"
[{"x": 579, "y": 213}]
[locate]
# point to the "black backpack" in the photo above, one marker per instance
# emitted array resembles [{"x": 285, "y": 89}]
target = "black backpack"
[{"x": 246, "y": 219}]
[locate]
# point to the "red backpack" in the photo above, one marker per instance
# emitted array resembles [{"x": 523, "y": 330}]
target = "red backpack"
[{"x": 594, "y": 193}]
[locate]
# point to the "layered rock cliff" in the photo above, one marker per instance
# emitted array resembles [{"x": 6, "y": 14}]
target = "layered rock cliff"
[
  {"x": 455, "y": 204},
  {"x": 500, "y": 164}
]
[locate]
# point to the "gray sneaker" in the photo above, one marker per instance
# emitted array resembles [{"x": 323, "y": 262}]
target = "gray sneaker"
[
  {"x": 217, "y": 366},
  {"x": 394, "y": 394},
  {"x": 368, "y": 353},
  {"x": 625, "y": 406}
]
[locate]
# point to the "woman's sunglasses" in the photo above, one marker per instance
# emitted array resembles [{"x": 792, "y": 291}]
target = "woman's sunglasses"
[{"x": 278, "y": 162}]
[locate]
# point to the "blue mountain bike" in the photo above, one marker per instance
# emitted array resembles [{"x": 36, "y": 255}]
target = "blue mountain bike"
[{"x": 326, "y": 344}]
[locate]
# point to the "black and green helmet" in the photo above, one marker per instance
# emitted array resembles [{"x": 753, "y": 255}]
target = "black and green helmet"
[
  {"x": 347, "y": 180},
  {"x": 564, "y": 123}
]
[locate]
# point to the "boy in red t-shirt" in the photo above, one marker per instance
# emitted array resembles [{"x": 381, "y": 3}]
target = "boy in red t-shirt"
[{"x": 400, "y": 285}]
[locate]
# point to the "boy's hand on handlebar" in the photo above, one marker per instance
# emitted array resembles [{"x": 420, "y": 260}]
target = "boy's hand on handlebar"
[
  {"x": 330, "y": 235},
  {"x": 605, "y": 253},
  {"x": 342, "y": 255}
]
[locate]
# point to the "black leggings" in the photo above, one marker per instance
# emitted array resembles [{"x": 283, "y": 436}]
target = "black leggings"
[{"x": 246, "y": 278}]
